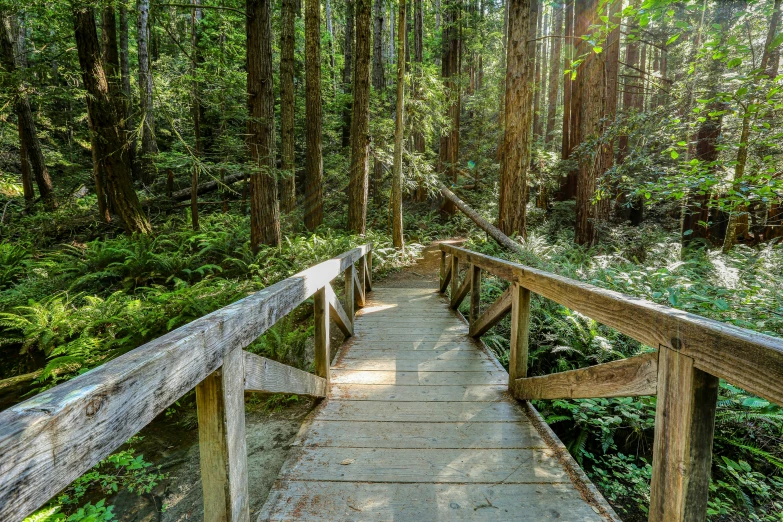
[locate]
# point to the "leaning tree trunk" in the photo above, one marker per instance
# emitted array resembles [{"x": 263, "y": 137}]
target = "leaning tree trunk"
[
  {"x": 149, "y": 145},
  {"x": 399, "y": 122},
  {"x": 360, "y": 122},
  {"x": 518, "y": 116},
  {"x": 378, "y": 86},
  {"x": 28, "y": 136},
  {"x": 314, "y": 207},
  {"x": 264, "y": 215},
  {"x": 348, "y": 70},
  {"x": 106, "y": 123},
  {"x": 287, "y": 106}
]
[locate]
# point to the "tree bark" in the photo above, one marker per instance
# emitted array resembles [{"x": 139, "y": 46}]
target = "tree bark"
[
  {"x": 520, "y": 72},
  {"x": 106, "y": 123},
  {"x": 126, "y": 90},
  {"x": 313, "y": 209},
  {"x": 149, "y": 145},
  {"x": 449, "y": 144},
  {"x": 264, "y": 214},
  {"x": 567, "y": 189},
  {"x": 360, "y": 122},
  {"x": 348, "y": 70},
  {"x": 399, "y": 122},
  {"x": 611, "y": 62},
  {"x": 195, "y": 109},
  {"x": 419, "y": 145},
  {"x": 378, "y": 84},
  {"x": 287, "y": 106},
  {"x": 28, "y": 136},
  {"x": 774, "y": 222},
  {"x": 538, "y": 57},
  {"x": 554, "y": 71}
]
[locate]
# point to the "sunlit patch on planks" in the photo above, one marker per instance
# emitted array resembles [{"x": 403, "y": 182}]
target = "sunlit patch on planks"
[{"x": 418, "y": 425}]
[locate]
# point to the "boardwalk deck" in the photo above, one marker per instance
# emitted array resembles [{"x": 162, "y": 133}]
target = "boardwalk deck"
[{"x": 418, "y": 425}]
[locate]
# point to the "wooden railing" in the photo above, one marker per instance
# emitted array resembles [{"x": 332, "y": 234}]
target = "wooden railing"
[
  {"x": 692, "y": 354},
  {"x": 52, "y": 439}
]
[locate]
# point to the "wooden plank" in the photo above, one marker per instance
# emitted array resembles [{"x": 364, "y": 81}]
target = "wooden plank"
[
  {"x": 267, "y": 376},
  {"x": 379, "y": 411},
  {"x": 630, "y": 377},
  {"x": 423, "y": 435},
  {"x": 474, "y": 364},
  {"x": 327, "y": 501},
  {"x": 361, "y": 273},
  {"x": 454, "y": 275},
  {"x": 682, "y": 447},
  {"x": 520, "y": 324},
  {"x": 475, "y": 294},
  {"x": 446, "y": 277},
  {"x": 368, "y": 271},
  {"x": 746, "y": 358},
  {"x": 462, "y": 291},
  {"x": 337, "y": 314},
  {"x": 323, "y": 358},
  {"x": 421, "y": 378},
  {"x": 422, "y": 354},
  {"x": 416, "y": 465},
  {"x": 53, "y": 438},
  {"x": 371, "y": 392},
  {"x": 412, "y": 344},
  {"x": 442, "y": 267},
  {"x": 220, "y": 403},
  {"x": 359, "y": 290},
  {"x": 348, "y": 298},
  {"x": 492, "y": 315}
]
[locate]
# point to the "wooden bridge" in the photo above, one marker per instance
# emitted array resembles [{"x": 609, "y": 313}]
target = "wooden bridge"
[{"x": 420, "y": 422}]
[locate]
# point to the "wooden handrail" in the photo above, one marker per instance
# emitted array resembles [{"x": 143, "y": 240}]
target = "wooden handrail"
[
  {"x": 693, "y": 352},
  {"x": 51, "y": 439}
]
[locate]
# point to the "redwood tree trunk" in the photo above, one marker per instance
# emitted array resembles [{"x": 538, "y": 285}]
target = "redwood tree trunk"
[
  {"x": 264, "y": 215},
  {"x": 519, "y": 117},
  {"x": 449, "y": 144},
  {"x": 313, "y": 209},
  {"x": 378, "y": 85},
  {"x": 554, "y": 71},
  {"x": 126, "y": 90},
  {"x": 287, "y": 106},
  {"x": 348, "y": 69},
  {"x": 419, "y": 144},
  {"x": 106, "y": 123},
  {"x": 567, "y": 190},
  {"x": 399, "y": 122},
  {"x": 149, "y": 145},
  {"x": 360, "y": 122}
]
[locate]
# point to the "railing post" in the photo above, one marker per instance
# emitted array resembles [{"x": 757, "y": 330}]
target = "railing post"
[
  {"x": 360, "y": 272},
  {"x": 321, "y": 313},
  {"x": 520, "y": 324},
  {"x": 475, "y": 293},
  {"x": 454, "y": 275},
  {"x": 682, "y": 447},
  {"x": 348, "y": 297},
  {"x": 220, "y": 401},
  {"x": 368, "y": 271},
  {"x": 442, "y": 267}
]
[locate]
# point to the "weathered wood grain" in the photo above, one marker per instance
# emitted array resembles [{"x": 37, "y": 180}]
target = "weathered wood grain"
[
  {"x": 462, "y": 291},
  {"x": 267, "y": 376},
  {"x": 682, "y": 446},
  {"x": 348, "y": 298},
  {"x": 475, "y": 294},
  {"x": 220, "y": 403},
  {"x": 358, "y": 290},
  {"x": 454, "y": 343},
  {"x": 421, "y": 378},
  {"x": 337, "y": 314},
  {"x": 461, "y": 411},
  {"x": 392, "y": 434},
  {"x": 492, "y": 315},
  {"x": 445, "y": 278},
  {"x": 454, "y": 276},
  {"x": 368, "y": 271},
  {"x": 323, "y": 356},
  {"x": 329, "y": 501},
  {"x": 50, "y": 440},
  {"x": 751, "y": 360},
  {"x": 520, "y": 326},
  {"x": 476, "y": 363},
  {"x": 625, "y": 378},
  {"x": 372, "y": 392}
]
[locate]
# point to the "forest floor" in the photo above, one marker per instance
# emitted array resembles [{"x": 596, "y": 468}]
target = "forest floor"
[{"x": 171, "y": 441}]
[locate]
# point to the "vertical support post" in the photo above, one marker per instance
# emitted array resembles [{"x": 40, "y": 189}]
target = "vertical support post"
[
  {"x": 348, "y": 297},
  {"x": 322, "y": 357},
  {"x": 368, "y": 270},
  {"x": 454, "y": 275},
  {"x": 220, "y": 402},
  {"x": 682, "y": 448},
  {"x": 442, "y": 268},
  {"x": 520, "y": 324},
  {"x": 360, "y": 270},
  {"x": 475, "y": 293}
]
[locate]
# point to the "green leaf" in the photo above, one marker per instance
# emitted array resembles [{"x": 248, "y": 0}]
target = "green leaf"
[
  {"x": 674, "y": 154},
  {"x": 742, "y": 91},
  {"x": 673, "y": 39},
  {"x": 598, "y": 49},
  {"x": 776, "y": 41},
  {"x": 682, "y": 143},
  {"x": 734, "y": 62}
]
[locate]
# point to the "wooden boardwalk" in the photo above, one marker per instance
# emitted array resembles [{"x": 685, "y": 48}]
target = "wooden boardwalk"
[{"x": 419, "y": 425}]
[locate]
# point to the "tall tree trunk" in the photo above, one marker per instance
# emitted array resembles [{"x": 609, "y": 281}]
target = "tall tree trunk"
[
  {"x": 539, "y": 58},
  {"x": 330, "y": 31},
  {"x": 111, "y": 149},
  {"x": 554, "y": 71},
  {"x": 287, "y": 105},
  {"x": 609, "y": 96},
  {"x": 126, "y": 90},
  {"x": 264, "y": 215},
  {"x": 348, "y": 70},
  {"x": 567, "y": 189},
  {"x": 149, "y": 145},
  {"x": 314, "y": 206},
  {"x": 520, "y": 73},
  {"x": 360, "y": 122},
  {"x": 28, "y": 136},
  {"x": 378, "y": 84},
  {"x": 774, "y": 222},
  {"x": 195, "y": 108},
  {"x": 590, "y": 108},
  {"x": 449, "y": 144},
  {"x": 419, "y": 145},
  {"x": 399, "y": 122}
]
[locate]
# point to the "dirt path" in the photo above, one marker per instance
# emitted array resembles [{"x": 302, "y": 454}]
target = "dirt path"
[{"x": 425, "y": 273}]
